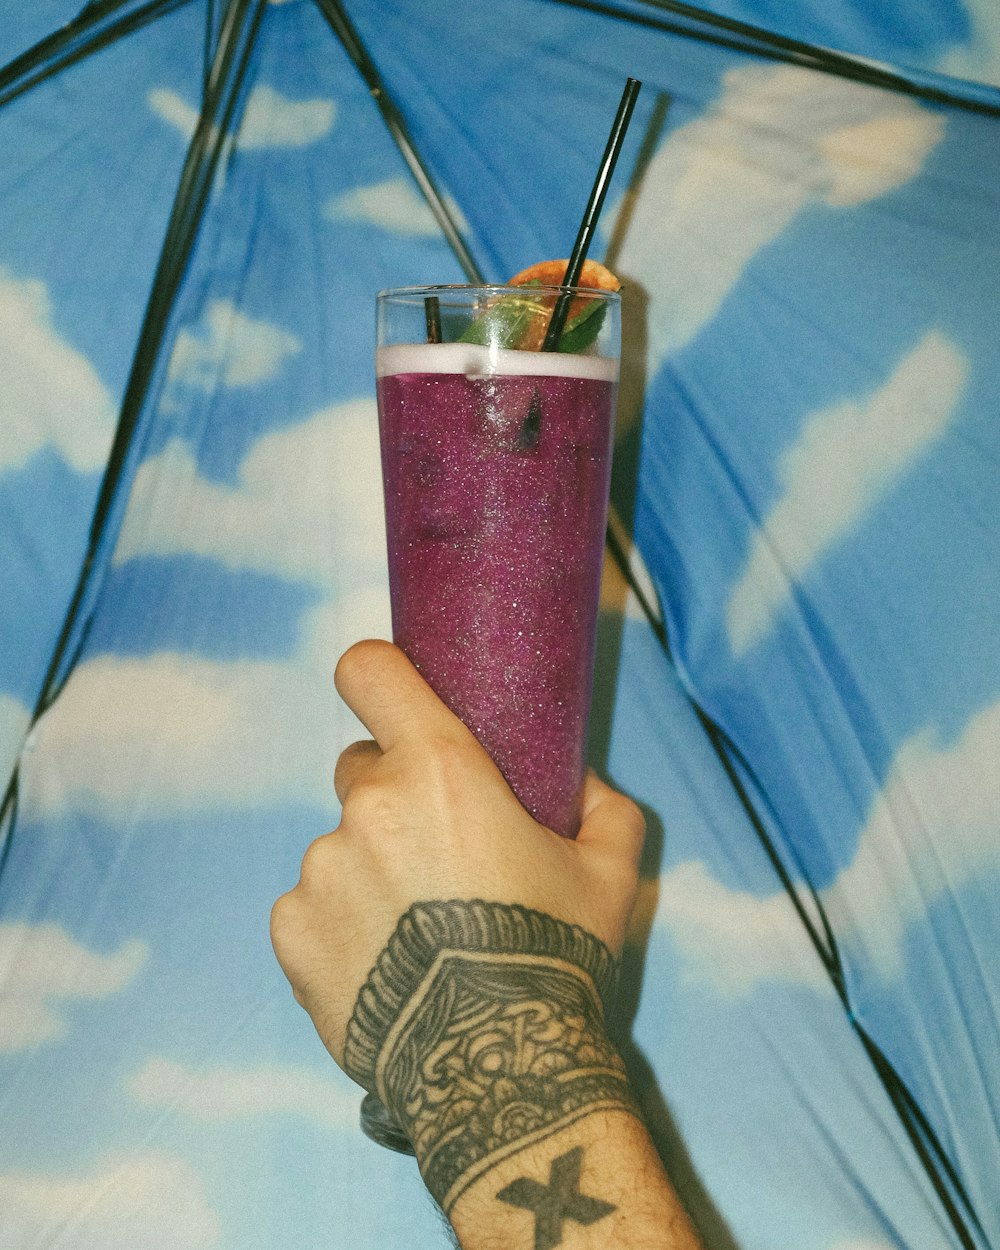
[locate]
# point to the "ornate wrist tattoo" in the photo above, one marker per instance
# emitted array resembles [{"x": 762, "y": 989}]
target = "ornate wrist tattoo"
[{"x": 481, "y": 1028}]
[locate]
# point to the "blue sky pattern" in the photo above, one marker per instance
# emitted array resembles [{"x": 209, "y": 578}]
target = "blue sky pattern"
[{"x": 806, "y": 465}]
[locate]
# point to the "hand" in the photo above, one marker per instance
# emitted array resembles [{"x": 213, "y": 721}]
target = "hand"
[{"x": 427, "y": 815}]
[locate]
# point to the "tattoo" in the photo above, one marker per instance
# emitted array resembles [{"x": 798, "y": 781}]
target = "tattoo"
[
  {"x": 557, "y": 1201},
  {"x": 481, "y": 1027}
]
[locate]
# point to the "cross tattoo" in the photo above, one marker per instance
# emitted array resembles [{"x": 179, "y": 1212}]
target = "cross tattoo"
[{"x": 557, "y": 1201}]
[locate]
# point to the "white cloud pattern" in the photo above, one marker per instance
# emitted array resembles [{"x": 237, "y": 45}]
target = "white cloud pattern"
[
  {"x": 189, "y": 733},
  {"x": 725, "y": 185},
  {"x": 977, "y": 58},
  {"x": 932, "y": 828},
  {"x": 171, "y": 108},
  {"x": 51, "y": 394},
  {"x": 221, "y": 1094},
  {"x": 41, "y": 967},
  {"x": 232, "y": 349},
  {"x": 845, "y": 459},
  {"x": 307, "y": 496},
  {"x": 395, "y": 205},
  {"x": 732, "y": 940},
  {"x": 270, "y": 120},
  {"x": 154, "y": 1201}
]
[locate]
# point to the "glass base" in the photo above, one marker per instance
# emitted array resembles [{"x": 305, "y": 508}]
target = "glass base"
[{"x": 379, "y": 1125}]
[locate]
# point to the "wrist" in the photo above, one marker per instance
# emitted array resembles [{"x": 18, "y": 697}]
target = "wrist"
[
  {"x": 594, "y": 1185},
  {"x": 481, "y": 1028}
]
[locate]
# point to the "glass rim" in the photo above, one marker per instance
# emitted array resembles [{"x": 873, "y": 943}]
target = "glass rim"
[{"x": 491, "y": 288}]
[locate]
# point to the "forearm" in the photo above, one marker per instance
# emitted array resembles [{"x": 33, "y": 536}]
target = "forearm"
[
  {"x": 482, "y": 1029},
  {"x": 596, "y": 1185}
]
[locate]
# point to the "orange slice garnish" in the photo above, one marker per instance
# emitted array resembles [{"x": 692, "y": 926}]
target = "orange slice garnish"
[{"x": 551, "y": 273}]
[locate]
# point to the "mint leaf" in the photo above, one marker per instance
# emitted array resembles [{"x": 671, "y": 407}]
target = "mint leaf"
[{"x": 582, "y": 330}]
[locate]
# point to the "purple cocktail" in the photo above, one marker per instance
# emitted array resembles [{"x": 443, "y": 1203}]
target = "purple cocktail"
[{"x": 496, "y": 467}]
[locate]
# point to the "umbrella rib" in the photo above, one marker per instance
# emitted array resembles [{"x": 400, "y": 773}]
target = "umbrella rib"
[
  {"x": 931, "y": 1154},
  {"x": 354, "y": 46},
  {"x": 236, "y": 43},
  {"x": 826, "y": 945},
  {"x": 926, "y": 1144},
  {"x": 89, "y": 32},
  {"x": 758, "y": 41},
  {"x": 208, "y": 31}
]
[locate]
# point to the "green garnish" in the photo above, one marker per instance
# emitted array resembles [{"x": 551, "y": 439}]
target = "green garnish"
[
  {"x": 505, "y": 323},
  {"x": 508, "y": 321},
  {"x": 582, "y": 330}
]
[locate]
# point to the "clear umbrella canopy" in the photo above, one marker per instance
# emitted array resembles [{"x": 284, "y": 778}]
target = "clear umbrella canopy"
[{"x": 199, "y": 201}]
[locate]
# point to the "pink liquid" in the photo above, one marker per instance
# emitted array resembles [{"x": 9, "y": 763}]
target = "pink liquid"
[{"x": 496, "y": 502}]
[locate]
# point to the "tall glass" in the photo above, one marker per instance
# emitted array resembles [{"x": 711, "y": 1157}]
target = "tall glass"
[
  {"x": 496, "y": 465},
  {"x": 496, "y": 459}
]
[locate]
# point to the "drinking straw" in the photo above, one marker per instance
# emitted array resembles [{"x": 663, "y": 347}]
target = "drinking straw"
[
  {"x": 592, "y": 212},
  {"x": 432, "y": 318}
]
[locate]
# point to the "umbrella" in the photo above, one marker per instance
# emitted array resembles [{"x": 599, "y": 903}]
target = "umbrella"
[{"x": 798, "y": 664}]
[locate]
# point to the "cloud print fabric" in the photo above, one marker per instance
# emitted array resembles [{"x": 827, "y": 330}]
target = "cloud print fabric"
[{"x": 806, "y": 473}]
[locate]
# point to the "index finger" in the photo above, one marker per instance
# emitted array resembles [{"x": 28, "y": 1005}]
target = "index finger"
[{"x": 387, "y": 694}]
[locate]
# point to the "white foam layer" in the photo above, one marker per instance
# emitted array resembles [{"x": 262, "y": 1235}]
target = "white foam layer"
[{"x": 479, "y": 362}]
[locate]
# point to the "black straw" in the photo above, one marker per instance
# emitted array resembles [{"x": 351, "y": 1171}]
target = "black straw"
[
  {"x": 592, "y": 212},
  {"x": 432, "y": 318}
]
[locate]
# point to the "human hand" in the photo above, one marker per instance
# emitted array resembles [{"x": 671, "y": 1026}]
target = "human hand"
[{"x": 428, "y": 816}]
